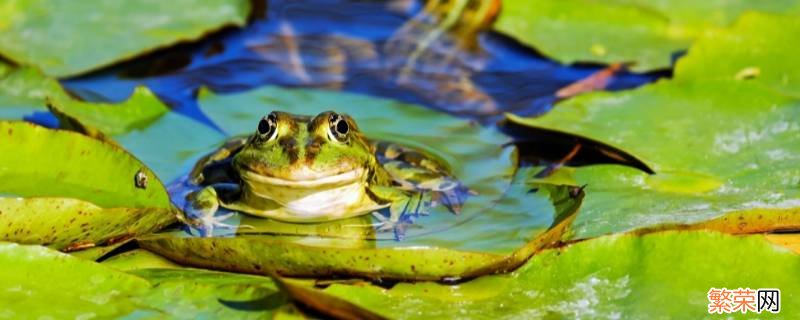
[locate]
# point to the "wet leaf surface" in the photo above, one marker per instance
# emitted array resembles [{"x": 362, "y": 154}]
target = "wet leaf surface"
[
  {"x": 660, "y": 274},
  {"x": 92, "y": 194},
  {"x": 30, "y": 27},
  {"x": 645, "y": 33}
]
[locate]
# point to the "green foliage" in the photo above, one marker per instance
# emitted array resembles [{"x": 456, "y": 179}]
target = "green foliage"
[
  {"x": 723, "y": 148},
  {"x": 65, "y": 38},
  {"x": 646, "y": 33},
  {"x": 628, "y": 276},
  {"x": 91, "y": 193}
]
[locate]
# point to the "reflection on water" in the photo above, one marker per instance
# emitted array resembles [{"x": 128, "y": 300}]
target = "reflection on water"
[{"x": 439, "y": 55}]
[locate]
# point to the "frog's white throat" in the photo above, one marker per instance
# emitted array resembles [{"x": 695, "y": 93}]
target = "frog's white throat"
[{"x": 326, "y": 198}]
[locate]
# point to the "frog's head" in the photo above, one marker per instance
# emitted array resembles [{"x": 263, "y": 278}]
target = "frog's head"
[{"x": 306, "y": 152}]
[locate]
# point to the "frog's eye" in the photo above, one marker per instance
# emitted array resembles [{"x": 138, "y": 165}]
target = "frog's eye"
[
  {"x": 338, "y": 127},
  {"x": 267, "y": 127}
]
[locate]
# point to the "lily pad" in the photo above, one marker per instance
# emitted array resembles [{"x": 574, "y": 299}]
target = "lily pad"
[
  {"x": 139, "y": 111},
  {"x": 30, "y": 28},
  {"x": 33, "y": 278},
  {"x": 665, "y": 274},
  {"x": 25, "y": 90},
  {"x": 750, "y": 50},
  {"x": 724, "y": 149},
  {"x": 646, "y": 33},
  {"x": 721, "y": 149},
  {"x": 22, "y": 91},
  {"x": 263, "y": 254},
  {"x": 445, "y": 246},
  {"x": 192, "y": 293},
  {"x": 95, "y": 191}
]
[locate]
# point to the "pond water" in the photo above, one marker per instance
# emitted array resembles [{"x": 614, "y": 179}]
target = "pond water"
[{"x": 378, "y": 53}]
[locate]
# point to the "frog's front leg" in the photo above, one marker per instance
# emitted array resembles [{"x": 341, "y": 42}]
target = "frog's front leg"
[
  {"x": 200, "y": 211},
  {"x": 402, "y": 202}
]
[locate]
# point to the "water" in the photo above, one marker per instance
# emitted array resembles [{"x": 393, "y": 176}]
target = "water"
[
  {"x": 338, "y": 45},
  {"x": 361, "y": 48}
]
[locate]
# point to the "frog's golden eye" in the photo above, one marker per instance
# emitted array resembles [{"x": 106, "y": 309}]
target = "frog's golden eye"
[
  {"x": 267, "y": 127},
  {"x": 338, "y": 127}
]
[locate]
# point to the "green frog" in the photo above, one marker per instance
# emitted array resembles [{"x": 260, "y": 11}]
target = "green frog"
[{"x": 305, "y": 169}]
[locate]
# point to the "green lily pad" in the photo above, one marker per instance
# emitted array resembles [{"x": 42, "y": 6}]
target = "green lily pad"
[
  {"x": 476, "y": 156},
  {"x": 192, "y": 293},
  {"x": 30, "y": 28},
  {"x": 724, "y": 149},
  {"x": 95, "y": 191},
  {"x": 25, "y": 90},
  {"x": 665, "y": 274},
  {"x": 304, "y": 258},
  {"x": 36, "y": 282},
  {"x": 34, "y": 277},
  {"x": 752, "y": 49},
  {"x": 646, "y": 33},
  {"x": 22, "y": 91},
  {"x": 140, "y": 110},
  {"x": 721, "y": 149}
]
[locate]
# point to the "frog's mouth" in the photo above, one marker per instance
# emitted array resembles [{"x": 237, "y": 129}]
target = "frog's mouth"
[
  {"x": 306, "y": 181},
  {"x": 323, "y": 198}
]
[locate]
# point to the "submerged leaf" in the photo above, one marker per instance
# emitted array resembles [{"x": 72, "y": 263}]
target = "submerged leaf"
[
  {"x": 65, "y": 38},
  {"x": 316, "y": 256},
  {"x": 92, "y": 195}
]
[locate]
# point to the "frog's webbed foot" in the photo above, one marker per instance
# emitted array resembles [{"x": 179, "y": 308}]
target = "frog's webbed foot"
[
  {"x": 388, "y": 224},
  {"x": 200, "y": 212},
  {"x": 401, "y": 212},
  {"x": 449, "y": 192}
]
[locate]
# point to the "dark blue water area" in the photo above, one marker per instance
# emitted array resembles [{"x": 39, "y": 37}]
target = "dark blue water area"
[{"x": 339, "y": 45}]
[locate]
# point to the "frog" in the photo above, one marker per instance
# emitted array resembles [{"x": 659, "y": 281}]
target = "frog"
[{"x": 313, "y": 169}]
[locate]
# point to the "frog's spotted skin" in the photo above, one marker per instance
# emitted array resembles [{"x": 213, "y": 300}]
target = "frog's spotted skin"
[{"x": 313, "y": 169}]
